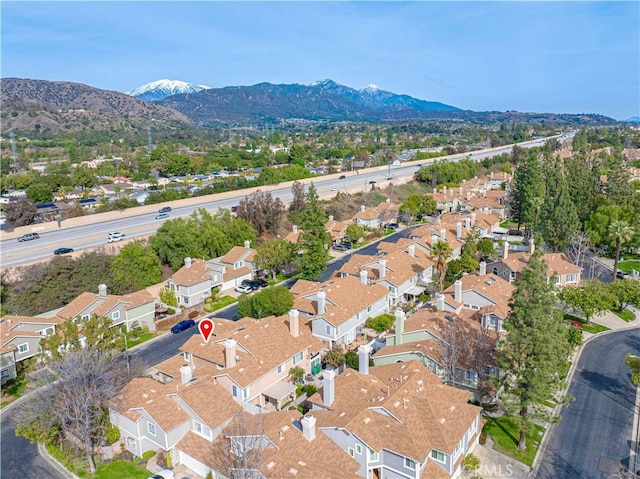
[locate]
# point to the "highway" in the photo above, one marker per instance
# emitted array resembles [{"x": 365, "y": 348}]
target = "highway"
[{"x": 134, "y": 225}]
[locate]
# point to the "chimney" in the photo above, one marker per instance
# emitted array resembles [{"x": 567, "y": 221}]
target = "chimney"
[
  {"x": 458, "y": 291},
  {"x": 435, "y": 191},
  {"x": 362, "y": 208},
  {"x": 363, "y": 276},
  {"x": 451, "y": 192},
  {"x": 460, "y": 191},
  {"x": 505, "y": 250},
  {"x": 468, "y": 195},
  {"x": 187, "y": 262},
  {"x": 467, "y": 223},
  {"x": 440, "y": 302},
  {"x": 491, "y": 175},
  {"x": 532, "y": 246},
  {"x": 412, "y": 250},
  {"x": 483, "y": 268},
  {"x": 388, "y": 200},
  {"x": 363, "y": 358},
  {"x": 229, "y": 353},
  {"x": 484, "y": 193},
  {"x": 399, "y": 325},
  {"x": 185, "y": 373},
  {"x": 295, "y": 228},
  {"x": 434, "y": 239},
  {"x": 383, "y": 268},
  {"x": 294, "y": 323},
  {"x": 322, "y": 302},
  {"x": 330, "y": 217},
  {"x": 308, "y": 427},
  {"x": 444, "y": 189},
  {"x": 473, "y": 219},
  {"x": 443, "y": 235},
  {"x": 102, "y": 290},
  {"x": 328, "y": 386},
  {"x": 459, "y": 230},
  {"x": 247, "y": 244}
]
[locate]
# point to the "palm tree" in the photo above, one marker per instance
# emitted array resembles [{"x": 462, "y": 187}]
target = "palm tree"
[
  {"x": 441, "y": 251},
  {"x": 621, "y": 233}
]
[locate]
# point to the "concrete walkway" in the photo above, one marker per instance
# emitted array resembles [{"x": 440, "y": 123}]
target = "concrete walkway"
[{"x": 496, "y": 465}]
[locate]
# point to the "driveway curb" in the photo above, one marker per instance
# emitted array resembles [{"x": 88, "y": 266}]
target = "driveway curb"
[{"x": 54, "y": 462}]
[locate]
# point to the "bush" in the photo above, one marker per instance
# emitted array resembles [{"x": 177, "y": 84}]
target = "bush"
[
  {"x": 483, "y": 438},
  {"x": 381, "y": 323},
  {"x": 193, "y": 314},
  {"x": 61, "y": 456},
  {"x": 471, "y": 463},
  {"x": 351, "y": 358},
  {"x": 148, "y": 455},
  {"x": 311, "y": 389},
  {"x": 113, "y": 434},
  {"x": 161, "y": 459},
  {"x": 171, "y": 311}
]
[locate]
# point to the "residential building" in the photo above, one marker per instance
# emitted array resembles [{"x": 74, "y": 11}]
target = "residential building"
[
  {"x": 192, "y": 283},
  {"x": 234, "y": 267}
]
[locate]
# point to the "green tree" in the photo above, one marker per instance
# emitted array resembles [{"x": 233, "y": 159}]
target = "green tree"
[
  {"x": 591, "y": 298},
  {"x": 418, "y": 206},
  {"x": 441, "y": 251},
  {"x": 296, "y": 374},
  {"x": 621, "y": 233},
  {"x": 168, "y": 297},
  {"x": 456, "y": 267},
  {"x": 527, "y": 185},
  {"x": 633, "y": 362},
  {"x": 625, "y": 293},
  {"x": 535, "y": 352},
  {"x": 559, "y": 220},
  {"x": 83, "y": 177},
  {"x": 485, "y": 247},
  {"x": 274, "y": 300},
  {"x": 21, "y": 212},
  {"x": 381, "y": 323},
  {"x": 583, "y": 183},
  {"x": 314, "y": 238},
  {"x": 272, "y": 255},
  {"x": 356, "y": 231},
  {"x": 298, "y": 202},
  {"x": 136, "y": 266},
  {"x": 334, "y": 357},
  {"x": 39, "y": 192}
]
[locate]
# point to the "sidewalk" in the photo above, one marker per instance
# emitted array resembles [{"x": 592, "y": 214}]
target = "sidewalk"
[{"x": 496, "y": 465}]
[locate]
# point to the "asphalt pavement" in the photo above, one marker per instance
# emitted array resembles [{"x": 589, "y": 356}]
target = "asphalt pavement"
[{"x": 593, "y": 439}]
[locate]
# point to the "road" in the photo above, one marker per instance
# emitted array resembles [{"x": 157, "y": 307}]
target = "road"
[
  {"x": 593, "y": 439},
  {"x": 13, "y": 253}
]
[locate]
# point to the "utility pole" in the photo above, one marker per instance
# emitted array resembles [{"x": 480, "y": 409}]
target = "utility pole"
[
  {"x": 14, "y": 153},
  {"x": 149, "y": 147}
]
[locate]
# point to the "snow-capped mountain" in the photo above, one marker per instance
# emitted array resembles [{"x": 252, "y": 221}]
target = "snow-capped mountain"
[{"x": 161, "y": 89}]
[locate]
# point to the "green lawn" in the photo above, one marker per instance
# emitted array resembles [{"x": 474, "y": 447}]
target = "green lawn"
[
  {"x": 120, "y": 470},
  {"x": 222, "y": 302},
  {"x": 625, "y": 314},
  {"x": 142, "y": 337},
  {"x": 508, "y": 224},
  {"x": 506, "y": 437},
  {"x": 627, "y": 266},
  {"x": 595, "y": 328}
]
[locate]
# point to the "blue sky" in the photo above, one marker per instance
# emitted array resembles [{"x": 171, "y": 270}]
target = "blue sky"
[{"x": 564, "y": 57}]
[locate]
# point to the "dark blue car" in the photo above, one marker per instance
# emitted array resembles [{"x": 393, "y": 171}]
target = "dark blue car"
[{"x": 182, "y": 325}]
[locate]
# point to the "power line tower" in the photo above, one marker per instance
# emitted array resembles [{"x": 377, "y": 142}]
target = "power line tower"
[
  {"x": 149, "y": 145},
  {"x": 14, "y": 153}
]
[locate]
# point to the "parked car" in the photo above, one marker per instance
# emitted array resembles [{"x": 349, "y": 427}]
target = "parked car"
[
  {"x": 342, "y": 177},
  {"x": 259, "y": 282},
  {"x": 244, "y": 288},
  {"x": 162, "y": 216},
  {"x": 621, "y": 274},
  {"x": 372, "y": 182},
  {"x": 164, "y": 209},
  {"x": 28, "y": 237},
  {"x": 115, "y": 236},
  {"x": 182, "y": 325},
  {"x": 392, "y": 226},
  {"x": 60, "y": 251},
  {"x": 163, "y": 474},
  {"x": 335, "y": 188},
  {"x": 340, "y": 247},
  {"x": 234, "y": 209}
]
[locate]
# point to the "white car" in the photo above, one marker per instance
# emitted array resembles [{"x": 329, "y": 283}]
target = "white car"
[
  {"x": 115, "y": 236},
  {"x": 163, "y": 474},
  {"x": 335, "y": 188},
  {"x": 243, "y": 288}
]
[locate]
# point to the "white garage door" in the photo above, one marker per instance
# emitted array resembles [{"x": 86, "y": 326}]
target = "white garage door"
[{"x": 193, "y": 464}]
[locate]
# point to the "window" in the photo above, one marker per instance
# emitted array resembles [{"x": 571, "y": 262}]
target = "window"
[
  {"x": 201, "y": 429},
  {"x": 437, "y": 455},
  {"x": 85, "y": 317},
  {"x": 409, "y": 463},
  {"x": 393, "y": 289},
  {"x": 151, "y": 428},
  {"x": 237, "y": 265},
  {"x": 351, "y": 453},
  {"x": 115, "y": 315},
  {"x": 495, "y": 270},
  {"x": 187, "y": 356},
  {"x": 297, "y": 358},
  {"x": 472, "y": 375},
  {"x": 571, "y": 278},
  {"x": 185, "y": 299},
  {"x": 512, "y": 275},
  {"x": 369, "y": 309},
  {"x": 23, "y": 348},
  {"x": 234, "y": 391},
  {"x": 358, "y": 449},
  {"x": 558, "y": 280},
  {"x": 328, "y": 329},
  {"x": 373, "y": 455},
  {"x": 280, "y": 368}
]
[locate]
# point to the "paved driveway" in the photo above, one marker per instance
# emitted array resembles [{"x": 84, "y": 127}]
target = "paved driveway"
[{"x": 593, "y": 439}]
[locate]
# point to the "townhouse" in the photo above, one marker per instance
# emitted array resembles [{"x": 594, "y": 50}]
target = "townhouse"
[
  {"x": 396, "y": 420},
  {"x": 337, "y": 229},
  {"x": 404, "y": 272},
  {"x": 368, "y": 217},
  {"x": 338, "y": 309},
  {"x": 234, "y": 267},
  {"x": 251, "y": 359},
  {"x": 20, "y": 338},
  {"x": 130, "y": 310}
]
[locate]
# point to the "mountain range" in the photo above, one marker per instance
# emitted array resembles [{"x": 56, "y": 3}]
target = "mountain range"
[
  {"x": 161, "y": 89},
  {"x": 51, "y": 106}
]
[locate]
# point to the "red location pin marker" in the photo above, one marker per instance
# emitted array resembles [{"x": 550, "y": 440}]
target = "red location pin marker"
[{"x": 206, "y": 328}]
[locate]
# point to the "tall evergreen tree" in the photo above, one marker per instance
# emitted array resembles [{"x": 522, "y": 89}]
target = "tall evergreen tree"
[
  {"x": 314, "y": 238},
  {"x": 535, "y": 353},
  {"x": 559, "y": 220},
  {"x": 620, "y": 232},
  {"x": 527, "y": 186},
  {"x": 583, "y": 183}
]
